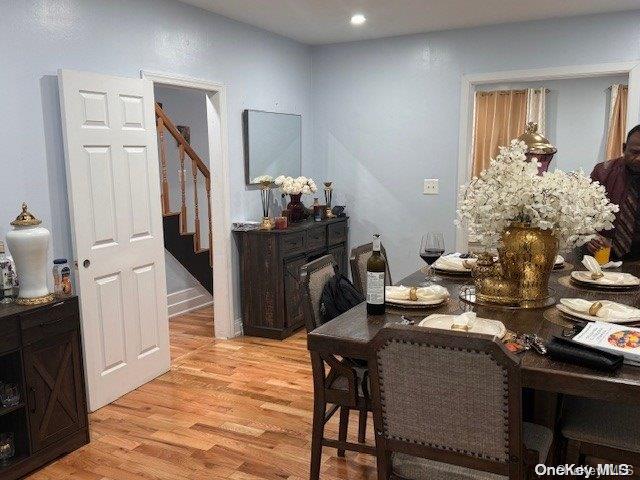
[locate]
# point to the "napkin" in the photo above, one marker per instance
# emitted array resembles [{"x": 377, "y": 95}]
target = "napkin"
[
  {"x": 593, "y": 266},
  {"x": 464, "y": 321},
  {"x": 559, "y": 259},
  {"x": 609, "y": 311},
  {"x": 432, "y": 292},
  {"x": 612, "y": 264},
  {"x": 453, "y": 261}
]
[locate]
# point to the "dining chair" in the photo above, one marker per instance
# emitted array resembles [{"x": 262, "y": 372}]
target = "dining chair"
[
  {"x": 448, "y": 405},
  {"x": 358, "y": 262},
  {"x": 344, "y": 387},
  {"x": 603, "y": 430}
]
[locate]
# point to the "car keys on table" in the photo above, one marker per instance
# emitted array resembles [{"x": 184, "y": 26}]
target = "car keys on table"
[{"x": 531, "y": 340}]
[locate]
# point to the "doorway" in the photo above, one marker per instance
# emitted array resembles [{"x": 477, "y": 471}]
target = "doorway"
[{"x": 216, "y": 126}]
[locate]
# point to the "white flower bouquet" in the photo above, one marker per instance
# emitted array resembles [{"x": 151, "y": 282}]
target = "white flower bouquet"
[
  {"x": 296, "y": 186},
  {"x": 569, "y": 204}
]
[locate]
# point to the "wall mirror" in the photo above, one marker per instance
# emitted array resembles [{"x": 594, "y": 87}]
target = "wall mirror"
[{"x": 272, "y": 144}]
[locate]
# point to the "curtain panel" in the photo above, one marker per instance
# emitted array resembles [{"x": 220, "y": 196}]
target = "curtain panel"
[
  {"x": 499, "y": 117},
  {"x": 617, "y": 129}
]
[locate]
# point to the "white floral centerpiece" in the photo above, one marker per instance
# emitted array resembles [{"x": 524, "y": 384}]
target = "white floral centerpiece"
[
  {"x": 569, "y": 204},
  {"x": 296, "y": 186},
  {"x": 263, "y": 180}
]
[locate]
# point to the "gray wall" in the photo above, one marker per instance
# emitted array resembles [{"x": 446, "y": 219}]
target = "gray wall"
[
  {"x": 577, "y": 117},
  {"x": 386, "y": 114},
  {"x": 118, "y": 37}
]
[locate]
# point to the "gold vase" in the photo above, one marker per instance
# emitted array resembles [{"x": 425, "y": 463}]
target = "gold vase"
[{"x": 521, "y": 276}]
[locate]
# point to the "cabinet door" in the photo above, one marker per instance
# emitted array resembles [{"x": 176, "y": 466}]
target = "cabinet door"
[
  {"x": 54, "y": 389},
  {"x": 293, "y": 293},
  {"x": 339, "y": 253}
]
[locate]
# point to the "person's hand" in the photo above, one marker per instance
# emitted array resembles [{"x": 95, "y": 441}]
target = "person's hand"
[{"x": 597, "y": 243}]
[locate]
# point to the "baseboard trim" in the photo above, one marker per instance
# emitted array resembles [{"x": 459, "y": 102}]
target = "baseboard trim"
[{"x": 187, "y": 300}]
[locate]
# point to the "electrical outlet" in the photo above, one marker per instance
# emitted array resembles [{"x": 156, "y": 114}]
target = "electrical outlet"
[{"x": 430, "y": 186}]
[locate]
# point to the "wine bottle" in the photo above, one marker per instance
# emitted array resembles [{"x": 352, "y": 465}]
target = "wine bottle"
[{"x": 376, "y": 272}]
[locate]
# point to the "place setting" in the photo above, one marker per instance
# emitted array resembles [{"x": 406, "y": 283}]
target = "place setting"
[{"x": 595, "y": 277}]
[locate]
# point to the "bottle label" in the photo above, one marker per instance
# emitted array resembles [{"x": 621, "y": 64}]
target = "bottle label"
[{"x": 375, "y": 288}]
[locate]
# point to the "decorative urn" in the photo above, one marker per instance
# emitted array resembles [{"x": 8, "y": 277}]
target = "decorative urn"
[
  {"x": 28, "y": 243},
  {"x": 538, "y": 146}
]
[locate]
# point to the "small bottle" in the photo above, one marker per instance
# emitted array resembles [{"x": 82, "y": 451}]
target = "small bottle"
[
  {"x": 317, "y": 210},
  {"x": 376, "y": 281},
  {"x": 61, "y": 277},
  {"x": 6, "y": 277}
]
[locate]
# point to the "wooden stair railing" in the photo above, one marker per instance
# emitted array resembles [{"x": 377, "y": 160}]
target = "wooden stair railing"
[{"x": 197, "y": 166}]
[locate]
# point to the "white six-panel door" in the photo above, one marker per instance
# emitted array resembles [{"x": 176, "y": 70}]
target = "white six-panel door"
[{"x": 114, "y": 203}]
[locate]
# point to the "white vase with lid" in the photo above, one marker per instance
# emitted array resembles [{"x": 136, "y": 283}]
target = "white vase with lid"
[{"x": 28, "y": 243}]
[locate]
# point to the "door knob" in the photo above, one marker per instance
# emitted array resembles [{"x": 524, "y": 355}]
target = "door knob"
[{"x": 86, "y": 263}]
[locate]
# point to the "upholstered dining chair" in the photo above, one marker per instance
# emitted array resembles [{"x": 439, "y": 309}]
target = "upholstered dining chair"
[
  {"x": 344, "y": 387},
  {"x": 358, "y": 262},
  {"x": 603, "y": 430},
  {"x": 447, "y": 405}
]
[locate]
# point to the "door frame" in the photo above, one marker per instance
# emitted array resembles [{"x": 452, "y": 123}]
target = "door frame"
[
  {"x": 218, "y": 135},
  {"x": 467, "y": 97}
]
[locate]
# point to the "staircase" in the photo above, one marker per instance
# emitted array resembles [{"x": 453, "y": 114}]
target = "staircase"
[{"x": 185, "y": 246}]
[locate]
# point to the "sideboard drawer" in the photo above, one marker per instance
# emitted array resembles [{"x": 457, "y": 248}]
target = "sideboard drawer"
[
  {"x": 337, "y": 233},
  {"x": 9, "y": 334},
  {"x": 293, "y": 243},
  {"x": 58, "y": 318},
  {"x": 317, "y": 238}
]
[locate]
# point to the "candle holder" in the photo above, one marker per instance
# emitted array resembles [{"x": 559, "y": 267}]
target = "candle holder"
[
  {"x": 328, "y": 192},
  {"x": 265, "y": 193}
]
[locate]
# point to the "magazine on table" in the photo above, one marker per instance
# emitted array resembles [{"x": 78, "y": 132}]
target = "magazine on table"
[{"x": 620, "y": 339}]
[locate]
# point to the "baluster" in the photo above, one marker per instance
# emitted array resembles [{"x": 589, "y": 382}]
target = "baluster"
[
  {"x": 166, "y": 208},
  {"x": 194, "y": 171},
  {"x": 183, "y": 208},
  {"x": 208, "y": 187}
]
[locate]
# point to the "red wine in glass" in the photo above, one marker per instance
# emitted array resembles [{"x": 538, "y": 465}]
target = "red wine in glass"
[{"x": 430, "y": 255}]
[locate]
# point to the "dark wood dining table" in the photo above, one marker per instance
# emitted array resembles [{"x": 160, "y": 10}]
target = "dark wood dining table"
[{"x": 351, "y": 333}]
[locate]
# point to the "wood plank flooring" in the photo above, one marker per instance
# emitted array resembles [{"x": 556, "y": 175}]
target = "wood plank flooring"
[{"x": 229, "y": 409}]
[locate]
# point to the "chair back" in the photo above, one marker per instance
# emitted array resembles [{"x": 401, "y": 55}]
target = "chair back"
[
  {"x": 314, "y": 275},
  {"x": 358, "y": 261},
  {"x": 450, "y": 397}
]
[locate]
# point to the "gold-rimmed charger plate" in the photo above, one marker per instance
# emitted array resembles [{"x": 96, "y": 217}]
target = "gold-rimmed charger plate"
[
  {"x": 575, "y": 279},
  {"x": 416, "y": 305},
  {"x": 456, "y": 273}
]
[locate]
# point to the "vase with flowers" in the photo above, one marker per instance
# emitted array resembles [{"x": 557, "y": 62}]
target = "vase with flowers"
[
  {"x": 527, "y": 216},
  {"x": 295, "y": 188}
]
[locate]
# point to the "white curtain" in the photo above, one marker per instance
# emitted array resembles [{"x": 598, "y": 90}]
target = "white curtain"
[{"x": 536, "y": 107}]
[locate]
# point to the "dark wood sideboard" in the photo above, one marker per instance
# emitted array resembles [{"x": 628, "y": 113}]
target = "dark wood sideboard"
[
  {"x": 270, "y": 262},
  {"x": 41, "y": 352}
]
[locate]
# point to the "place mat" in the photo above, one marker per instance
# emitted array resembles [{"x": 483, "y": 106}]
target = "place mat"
[
  {"x": 451, "y": 273},
  {"x": 566, "y": 266},
  {"x": 445, "y": 307}
]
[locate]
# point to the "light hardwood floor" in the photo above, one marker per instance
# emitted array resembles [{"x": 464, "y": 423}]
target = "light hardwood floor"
[{"x": 231, "y": 409}]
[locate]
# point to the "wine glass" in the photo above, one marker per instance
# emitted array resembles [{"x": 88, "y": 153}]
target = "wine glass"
[{"x": 431, "y": 249}]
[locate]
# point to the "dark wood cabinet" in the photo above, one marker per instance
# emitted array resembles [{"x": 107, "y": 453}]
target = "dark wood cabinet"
[
  {"x": 40, "y": 350},
  {"x": 270, "y": 262}
]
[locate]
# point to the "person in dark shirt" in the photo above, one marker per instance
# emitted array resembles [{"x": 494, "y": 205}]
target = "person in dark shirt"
[{"x": 621, "y": 179}]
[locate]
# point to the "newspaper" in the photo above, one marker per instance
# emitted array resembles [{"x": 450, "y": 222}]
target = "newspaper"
[{"x": 610, "y": 337}]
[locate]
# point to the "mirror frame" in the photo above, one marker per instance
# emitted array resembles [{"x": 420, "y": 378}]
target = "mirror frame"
[{"x": 245, "y": 139}]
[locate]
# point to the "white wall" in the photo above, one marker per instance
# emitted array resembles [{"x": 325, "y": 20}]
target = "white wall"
[
  {"x": 577, "y": 117},
  {"x": 386, "y": 114},
  {"x": 120, "y": 37}
]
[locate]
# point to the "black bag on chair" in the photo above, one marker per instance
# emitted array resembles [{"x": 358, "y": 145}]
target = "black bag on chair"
[{"x": 338, "y": 296}]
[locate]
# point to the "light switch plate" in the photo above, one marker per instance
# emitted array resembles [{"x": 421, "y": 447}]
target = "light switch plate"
[{"x": 430, "y": 186}]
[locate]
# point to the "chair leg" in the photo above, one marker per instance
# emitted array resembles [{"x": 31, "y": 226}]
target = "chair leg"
[
  {"x": 362, "y": 426},
  {"x": 317, "y": 434},
  {"x": 344, "y": 424},
  {"x": 572, "y": 455}
]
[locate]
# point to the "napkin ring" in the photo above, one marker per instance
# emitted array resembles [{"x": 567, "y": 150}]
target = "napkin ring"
[
  {"x": 413, "y": 294},
  {"x": 462, "y": 328},
  {"x": 467, "y": 264},
  {"x": 595, "y": 308},
  {"x": 596, "y": 276}
]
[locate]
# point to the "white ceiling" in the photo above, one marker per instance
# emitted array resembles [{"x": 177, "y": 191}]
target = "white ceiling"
[{"x": 327, "y": 21}]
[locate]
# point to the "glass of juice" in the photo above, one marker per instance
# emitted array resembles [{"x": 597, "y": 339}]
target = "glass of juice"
[{"x": 602, "y": 255}]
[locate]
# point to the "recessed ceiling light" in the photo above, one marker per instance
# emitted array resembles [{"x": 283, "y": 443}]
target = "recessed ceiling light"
[{"x": 358, "y": 19}]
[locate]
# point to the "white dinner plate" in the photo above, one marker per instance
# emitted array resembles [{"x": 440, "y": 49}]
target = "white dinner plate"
[
  {"x": 483, "y": 326},
  {"x": 416, "y": 303},
  {"x": 591, "y": 318},
  {"x": 610, "y": 279}
]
